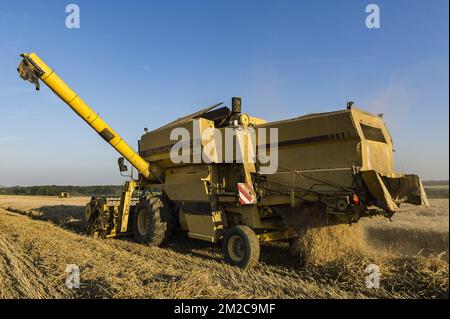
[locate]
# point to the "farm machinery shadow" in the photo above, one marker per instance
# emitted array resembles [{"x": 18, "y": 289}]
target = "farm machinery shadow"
[
  {"x": 272, "y": 253},
  {"x": 69, "y": 217}
]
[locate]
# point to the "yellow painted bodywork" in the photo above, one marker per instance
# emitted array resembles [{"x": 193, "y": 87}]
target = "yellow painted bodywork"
[
  {"x": 276, "y": 235},
  {"x": 125, "y": 204},
  {"x": 328, "y": 157},
  {"x": 378, "y": 189},
  {"x": 204, "y": 227}
]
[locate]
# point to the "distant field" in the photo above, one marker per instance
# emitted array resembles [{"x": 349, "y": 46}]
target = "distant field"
[
  {"x": 55, "y": 190},
  {"x": 436, "y": 191},
  {"x": 435, "y": 183},
  {"x": 40, "y": 235}
]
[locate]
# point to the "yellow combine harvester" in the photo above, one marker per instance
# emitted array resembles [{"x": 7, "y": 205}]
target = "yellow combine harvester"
[{"x": 336, "y": 164}]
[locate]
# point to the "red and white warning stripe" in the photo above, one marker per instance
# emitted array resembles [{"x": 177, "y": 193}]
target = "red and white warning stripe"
[{"x": 247, "y": 194}]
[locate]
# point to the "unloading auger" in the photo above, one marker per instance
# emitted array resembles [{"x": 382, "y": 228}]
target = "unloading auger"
[{"x": 33, "y": 69}]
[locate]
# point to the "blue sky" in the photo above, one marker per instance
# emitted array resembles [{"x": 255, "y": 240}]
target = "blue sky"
[{"x": 144, "y": 63}]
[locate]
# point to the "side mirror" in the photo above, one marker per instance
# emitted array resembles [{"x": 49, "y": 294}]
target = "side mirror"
[{"x": 122, "y": 166}]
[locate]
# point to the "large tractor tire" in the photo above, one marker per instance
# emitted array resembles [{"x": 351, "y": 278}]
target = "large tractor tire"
[
  {"x": 241, "y": 247},
  {"x": 152, "y": 221}
]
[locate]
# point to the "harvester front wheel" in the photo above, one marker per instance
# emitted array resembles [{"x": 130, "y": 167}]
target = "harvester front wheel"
[
  {"x": 152, "y": 221},
  {"x": 241, "y": 246}
]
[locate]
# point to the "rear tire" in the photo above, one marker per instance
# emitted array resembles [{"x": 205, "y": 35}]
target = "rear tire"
[
  {"x": 241, "y": 247},
  {"x": 152, "y": 221}
]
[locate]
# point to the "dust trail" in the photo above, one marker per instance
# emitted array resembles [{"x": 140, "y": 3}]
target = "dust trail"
[
  {"x": 343, "y": 252},
  {"x": 329, "y": 243},
  {"x": 322, "y": 238}
]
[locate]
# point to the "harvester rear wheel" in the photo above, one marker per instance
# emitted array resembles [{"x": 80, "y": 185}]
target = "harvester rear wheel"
[
  {"x": 241, "y": 246},
  {"x": 152, "y": 222}
]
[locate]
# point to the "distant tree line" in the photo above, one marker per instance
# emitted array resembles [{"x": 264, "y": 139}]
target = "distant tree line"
[
  {"x": 115, "y": 190},
  {"x": 55, "y": 190}
]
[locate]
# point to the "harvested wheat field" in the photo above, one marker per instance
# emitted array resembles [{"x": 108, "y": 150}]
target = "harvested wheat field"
[{"x": 40, "y": 236}]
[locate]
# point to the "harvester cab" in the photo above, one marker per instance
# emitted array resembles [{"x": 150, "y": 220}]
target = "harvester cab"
[{"x": 221, "y": 175}]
